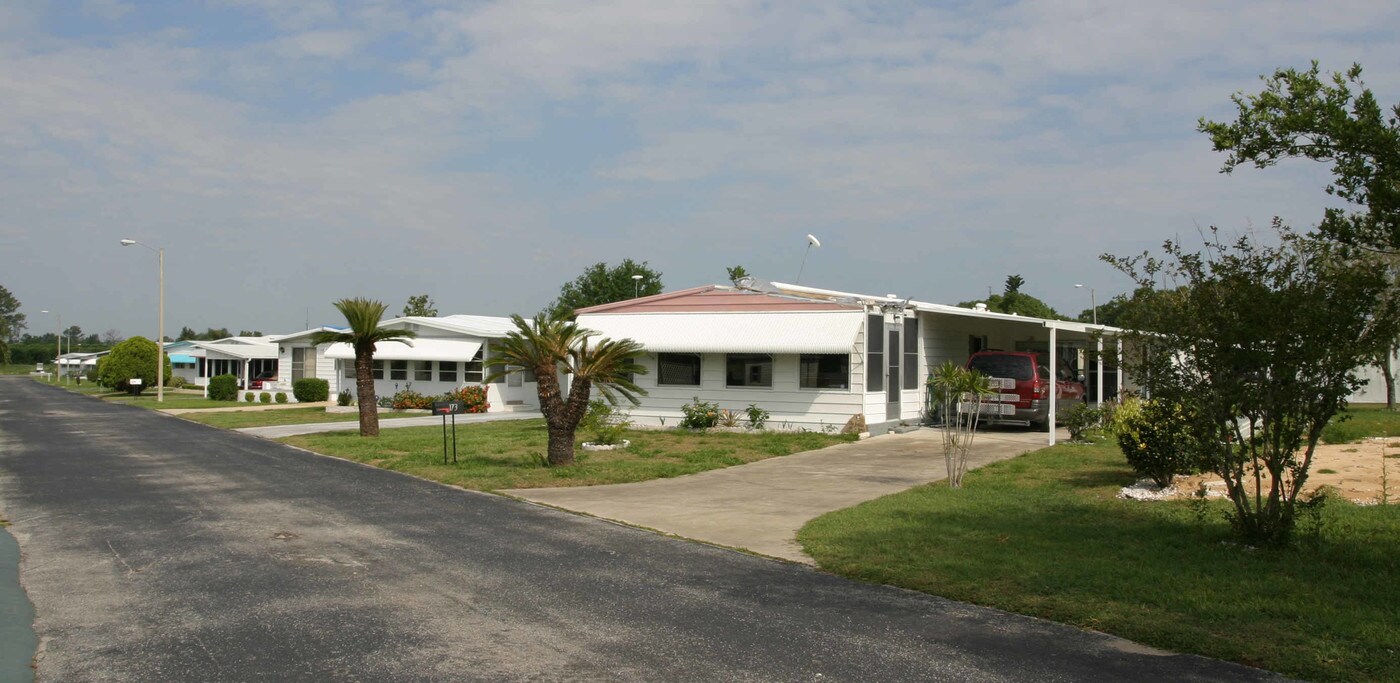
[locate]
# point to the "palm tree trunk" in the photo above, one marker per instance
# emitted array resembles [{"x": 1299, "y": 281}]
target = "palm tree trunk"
[
  {"x": 561, "y": 444},
  {"x": 364, "y": 386}
]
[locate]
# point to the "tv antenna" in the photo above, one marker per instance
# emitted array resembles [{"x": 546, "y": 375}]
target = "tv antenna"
[{"x": 812, "y": 241}]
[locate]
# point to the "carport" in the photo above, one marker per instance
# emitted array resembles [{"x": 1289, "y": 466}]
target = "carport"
[{"x": 954, "y": 333}]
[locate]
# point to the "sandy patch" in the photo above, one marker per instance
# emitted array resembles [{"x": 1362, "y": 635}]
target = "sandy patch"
[{"x": 1366, "y": 473}]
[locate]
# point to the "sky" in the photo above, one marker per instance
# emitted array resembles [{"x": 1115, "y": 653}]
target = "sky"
[{"x": 288, "y": 154}]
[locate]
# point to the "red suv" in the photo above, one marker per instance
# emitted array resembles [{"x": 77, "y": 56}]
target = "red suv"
[{"x": 1021, "y": 386}]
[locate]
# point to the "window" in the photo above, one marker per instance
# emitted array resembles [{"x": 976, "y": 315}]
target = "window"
[
  {"x": 678, "y": 369},
  {"x": 824, "y": 371},
  {"x": 299, "y": 369},
  {"x": 911, "y": 352},
  {"x": 423, "y": 371},
  {"x": 379, "y": 369},
  {"x": 447, "y": 371},
  {"x": 398, "y": 369},
  {"x": 347, "y": 369},
  {"x": 475, "y": 368},
  {"x": 874, "y": 353},
  {"x": 748, "y": 370},
  {"x": 976, "y": 343}
]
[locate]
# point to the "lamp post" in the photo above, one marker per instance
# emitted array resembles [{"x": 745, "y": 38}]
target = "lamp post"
[
  {"x": 59, "y": 353},
  {"x": 1092, "y": 302},
  {"x": 636, "y": 286},
  {"x": 160, "y": 322}
]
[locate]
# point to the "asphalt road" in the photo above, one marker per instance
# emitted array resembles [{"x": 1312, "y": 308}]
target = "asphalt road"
[{"x": 159, "y": 549}]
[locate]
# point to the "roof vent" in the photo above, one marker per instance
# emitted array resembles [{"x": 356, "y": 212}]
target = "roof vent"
[{"x": 980, "y": 306}]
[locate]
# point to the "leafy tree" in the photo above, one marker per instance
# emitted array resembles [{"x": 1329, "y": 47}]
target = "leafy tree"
[
  {"x": 363, "y": 316},
  {"x": 420, "y": 306},
  {"x": 212, "y": 333},
  {"x": 600, "y": 284},
  {"x": 1258, "y": 350},
  {"x": 187, "y": 334},
  {"x": 548, "y": 346},
  {"x": 111, "y": 337},
  {"x": 736, "y": 274},
  {"x": 1301, "y": 114},
  {"x": 1013, "y": 300},
  {"x": 131, "y": 359},
  {"x": 250, "y": 333},
  {"x": 11, "y": 320}
]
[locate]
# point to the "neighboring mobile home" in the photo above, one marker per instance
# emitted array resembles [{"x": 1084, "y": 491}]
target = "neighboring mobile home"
[
  {"x": 815, "y": 358},
  {"x": 243, "y": 357}
]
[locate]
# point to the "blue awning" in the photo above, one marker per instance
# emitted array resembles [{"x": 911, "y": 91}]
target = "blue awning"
[{"x": 182, "y": 358}]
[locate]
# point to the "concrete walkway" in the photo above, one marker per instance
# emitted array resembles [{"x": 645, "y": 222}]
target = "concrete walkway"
[
  {"x": 760, "y": 506},
  {"x": 279, "y": 431}
]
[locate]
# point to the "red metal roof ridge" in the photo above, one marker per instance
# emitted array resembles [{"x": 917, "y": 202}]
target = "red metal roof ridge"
[{"x": 601, "y": 308}]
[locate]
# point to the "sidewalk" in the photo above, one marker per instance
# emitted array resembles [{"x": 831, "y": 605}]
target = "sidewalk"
[
  {"x": 280, "y": 431},
  {"x": 761, "y": 505},
  {"x": 247, "y": 406}
]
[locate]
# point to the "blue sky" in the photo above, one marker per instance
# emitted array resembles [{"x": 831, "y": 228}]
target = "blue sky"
[{"x": 287, "y": 154}]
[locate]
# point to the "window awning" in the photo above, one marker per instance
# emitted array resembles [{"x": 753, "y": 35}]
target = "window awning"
[
  {"x": 766, "y": 332},
  {"x": 422, "y": 349},
  {"x": 183, "y": 358}
]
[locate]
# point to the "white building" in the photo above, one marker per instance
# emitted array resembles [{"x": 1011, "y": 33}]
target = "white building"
[
  {"x": 815, "y": 358},
  {"x": 246, "y": 358}
]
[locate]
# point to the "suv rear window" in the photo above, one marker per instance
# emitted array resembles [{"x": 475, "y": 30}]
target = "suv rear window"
[{"x": 1014, "y": 367}]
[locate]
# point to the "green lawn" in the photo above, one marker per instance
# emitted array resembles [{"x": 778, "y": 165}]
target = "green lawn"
[
  {"x": 1361, "y": 421},
  {"x": 16, "y": 368},
  {"x": 287, "y": 416},
  {"x": 172, "y": 400},
  {"x": 1043, "y": 535},
  {"x": 509, "y": 454}
]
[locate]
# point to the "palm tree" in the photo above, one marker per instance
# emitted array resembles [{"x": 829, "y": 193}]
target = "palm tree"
[
  {"x": 550, "y": 345},
  {"x": 363, "y": 315}
]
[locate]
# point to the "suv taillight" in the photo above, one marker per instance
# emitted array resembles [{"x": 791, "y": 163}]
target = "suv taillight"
[{"x": 1040, "y": 390}]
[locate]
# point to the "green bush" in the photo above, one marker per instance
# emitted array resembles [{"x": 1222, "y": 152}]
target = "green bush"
[
  {"x": 344, "y": 398},
  {"x": 408, "y": 399},
  {"x": 132, "y": 359},
  {"x": 223, "y": 388},
  {"x": 1082, "y": 421},
  {"x": 757, "y": 416},
  {"x": 1158, "y": 443},
  {"x": 265, "y": 397},
  {"x": 177, "y": 382},
  {"x": 311, "y": 390},
  {"x": 604, "y": 423},
  {"x": 699, "y": 415},
  {"x": 281, "y": 397},
  {"x": 248, "y": 397}
]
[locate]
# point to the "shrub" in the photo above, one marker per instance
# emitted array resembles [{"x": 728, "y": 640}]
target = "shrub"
[
  {"x": 1157, "y": 441},
  {"x": 131, "y": 359},
  {"x": 473, "y": 395},
  {"x": 604, "y": 422},
  {"x": 248, "y": 397},
  {"x": 757, "y": 416},
  {"x": 343, "y": 398},
  {"x": 408, "y": 399},
  {"x": 265, "y": 397},
  {"x": 177, "y": 382},
  {"x": 1082, "y": 421},
  {"x": 1119, "y": 413},
  {"x": 223, "y": 388},
  {"x": 311, "y": 389},
  {"x": 728, "y": 418},
  {"x": 699, "y": 415},
  {"x": 281, "y": 397}
]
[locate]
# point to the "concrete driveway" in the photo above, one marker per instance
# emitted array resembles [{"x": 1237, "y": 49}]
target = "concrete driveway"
[{"x": 760, "y": 506}]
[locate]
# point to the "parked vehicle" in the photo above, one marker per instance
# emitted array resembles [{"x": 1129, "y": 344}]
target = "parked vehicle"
[
  {"x": 1022, "y": 388},
  {"x": 266, "y": 377}
]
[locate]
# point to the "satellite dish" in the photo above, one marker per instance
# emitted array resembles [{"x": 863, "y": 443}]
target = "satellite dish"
[{"x": 812, "y": 240}]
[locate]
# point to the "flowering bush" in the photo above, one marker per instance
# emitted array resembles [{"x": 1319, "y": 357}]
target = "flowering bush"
[
  {"x": 408, "y": 399},
  {"x": 699, "y": 415},
  {"x": 474, "y": 396},
  {"x": 1157, "y": 441}
]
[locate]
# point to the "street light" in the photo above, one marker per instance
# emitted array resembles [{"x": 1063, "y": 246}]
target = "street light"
[
  {"x": 1092, "y": 302},
  {"x": 60, "y": 346},
  {"x": 160, "y": 322},
  {"x": 636, "y": 286}
]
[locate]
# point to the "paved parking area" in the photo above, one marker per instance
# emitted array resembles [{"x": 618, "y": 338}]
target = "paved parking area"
[{"x": 760, "y": 506}]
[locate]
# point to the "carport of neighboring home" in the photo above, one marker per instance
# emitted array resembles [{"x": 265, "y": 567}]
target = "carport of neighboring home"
[{"x": 814, "y": 358}]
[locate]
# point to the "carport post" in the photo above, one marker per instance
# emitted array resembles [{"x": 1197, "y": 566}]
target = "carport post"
[
  {"x": 1054, "y": 384},
  {"x": 1119, "y": 346},
  {"x": 1098, "y": 392}
]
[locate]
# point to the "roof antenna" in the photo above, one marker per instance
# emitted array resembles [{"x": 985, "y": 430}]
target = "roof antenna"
[{"x": 812, "y": 241}]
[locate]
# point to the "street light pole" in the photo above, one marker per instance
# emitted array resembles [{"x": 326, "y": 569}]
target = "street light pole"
[
  {"x": 1093, "y": 302},
  {"x": 160, "y": 321},
  {"x": 636, "y": 286}
]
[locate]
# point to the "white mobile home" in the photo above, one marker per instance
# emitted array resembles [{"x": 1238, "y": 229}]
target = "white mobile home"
[
  {"x": 246, "y": 358},
  {"x": 816, "y": 358}
]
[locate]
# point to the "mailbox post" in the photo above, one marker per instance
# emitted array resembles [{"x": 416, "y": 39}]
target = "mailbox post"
[{"x": 446, "y": 408}]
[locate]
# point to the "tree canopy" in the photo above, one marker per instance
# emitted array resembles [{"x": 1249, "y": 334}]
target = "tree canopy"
[
  {"x": 600, "y": 284},
  {"x": 363, "y": 316},
  {"x": 1013, "y": 300},
  {"x": 1336, "y": 119},
  {"x": 11, "y": 320},
  {"x": 131, "y": 359},
  {"x": 420, "y": 306}
]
